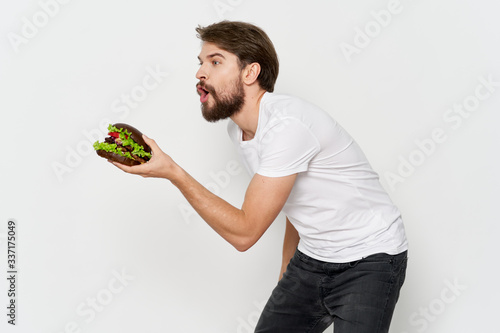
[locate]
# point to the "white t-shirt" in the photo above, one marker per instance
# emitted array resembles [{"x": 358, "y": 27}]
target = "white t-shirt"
[{"x": 337, "y": 203}]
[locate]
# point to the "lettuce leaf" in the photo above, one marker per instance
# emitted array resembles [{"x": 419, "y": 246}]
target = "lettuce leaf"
[{"x": 126, "y": 140}]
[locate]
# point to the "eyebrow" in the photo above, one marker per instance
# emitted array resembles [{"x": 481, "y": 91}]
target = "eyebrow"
[{"x": 216, "y": 54}]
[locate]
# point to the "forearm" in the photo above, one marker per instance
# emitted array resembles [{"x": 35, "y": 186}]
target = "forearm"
[
  {"x": 264, "y": 199},
  {"x": 228, "y": 221}
]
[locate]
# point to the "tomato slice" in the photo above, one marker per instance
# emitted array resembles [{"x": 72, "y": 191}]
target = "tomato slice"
[{"x": 116, "y": 135}]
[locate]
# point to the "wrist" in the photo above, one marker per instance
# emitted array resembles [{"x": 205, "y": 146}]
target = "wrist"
[{"x": 177, "y": 175}]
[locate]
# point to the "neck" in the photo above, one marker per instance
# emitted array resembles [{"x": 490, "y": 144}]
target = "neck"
[{"x": 248, "y": 117}]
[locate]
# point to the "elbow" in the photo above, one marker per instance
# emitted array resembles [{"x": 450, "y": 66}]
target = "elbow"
[
  {"x": 242, "y": 248},
  {"x": 244, "y": 244},
  {"x": 247, "y": 236}
]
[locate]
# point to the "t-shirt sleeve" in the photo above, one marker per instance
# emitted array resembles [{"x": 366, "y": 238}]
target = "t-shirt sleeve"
[{"x": 287, "y": 148}]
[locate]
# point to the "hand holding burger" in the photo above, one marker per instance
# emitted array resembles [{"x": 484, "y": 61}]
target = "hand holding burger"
[{"x": 127, "y": 156}]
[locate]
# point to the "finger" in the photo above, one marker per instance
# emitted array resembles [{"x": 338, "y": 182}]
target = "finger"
[
  {"x": 118, "y": 165},
  {"x": 123, "y": 167},
  {"x": 151, "y": 143}
]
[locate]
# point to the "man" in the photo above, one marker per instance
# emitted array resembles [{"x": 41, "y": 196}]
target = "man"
[{"x": 344, "y": 250}]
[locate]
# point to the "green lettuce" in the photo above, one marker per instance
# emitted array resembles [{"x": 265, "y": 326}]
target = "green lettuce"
[{"x": 126, "y": 140}]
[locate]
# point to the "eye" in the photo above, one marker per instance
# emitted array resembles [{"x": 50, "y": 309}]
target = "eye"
[{"x": 215, "y": 62}]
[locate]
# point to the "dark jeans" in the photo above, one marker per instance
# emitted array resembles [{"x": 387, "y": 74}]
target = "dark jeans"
[{"x": 358, "y": 297}]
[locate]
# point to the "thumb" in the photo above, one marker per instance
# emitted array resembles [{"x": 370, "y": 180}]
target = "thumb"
[{"x": 151, "y": 143}]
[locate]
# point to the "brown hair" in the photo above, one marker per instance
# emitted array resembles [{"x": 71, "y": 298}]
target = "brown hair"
[{"x": 249, "y": 43}]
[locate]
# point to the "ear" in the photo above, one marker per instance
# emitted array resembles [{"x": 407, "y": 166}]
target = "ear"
[{"x": 251, "y": 73}]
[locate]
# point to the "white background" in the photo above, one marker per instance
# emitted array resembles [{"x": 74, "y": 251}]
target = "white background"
[{"x": 66, "y": 67}]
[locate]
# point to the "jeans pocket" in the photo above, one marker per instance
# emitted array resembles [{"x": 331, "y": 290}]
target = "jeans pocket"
[
  {"x": 400, "y": 270},
  {"x": 399, "y": 261},
  {"x": 302, "y": 257},
  {"x": 353, "y": 264},
  {"x": 383, "y": 262}
]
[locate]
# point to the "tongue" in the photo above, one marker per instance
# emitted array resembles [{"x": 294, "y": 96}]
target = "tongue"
[{"x": 203, "y": 97}]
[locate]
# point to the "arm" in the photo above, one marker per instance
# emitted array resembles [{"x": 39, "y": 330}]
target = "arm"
[
  {"x": 242, "y": 228},
  {"x": 289, "y": 246}
]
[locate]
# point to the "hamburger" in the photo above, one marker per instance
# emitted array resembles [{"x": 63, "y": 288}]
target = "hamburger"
[{"x": 124, "y": 145}]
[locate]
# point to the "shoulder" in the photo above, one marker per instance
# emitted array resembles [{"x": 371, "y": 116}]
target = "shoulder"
[
  {"x": 273, "y": 101},
  {"x": 278, "y": 108},
  {"x": 289, "y": 105}
]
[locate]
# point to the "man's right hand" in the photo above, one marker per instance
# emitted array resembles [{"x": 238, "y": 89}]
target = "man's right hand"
[{"x": 160, "y": 165}]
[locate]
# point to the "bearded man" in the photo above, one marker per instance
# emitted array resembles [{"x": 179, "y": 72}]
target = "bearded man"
[{"x": 344, "y": 249}]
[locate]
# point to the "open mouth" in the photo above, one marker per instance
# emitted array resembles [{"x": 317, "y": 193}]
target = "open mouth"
[{"x": 203, "y": 93}]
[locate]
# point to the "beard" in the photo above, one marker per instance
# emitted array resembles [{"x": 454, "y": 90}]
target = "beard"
[{"x": 223, "y": 106}]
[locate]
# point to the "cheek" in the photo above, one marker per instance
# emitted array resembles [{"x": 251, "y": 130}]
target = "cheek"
[
  {"x": 229, "y": 88},
  {"x": 223, "y": 90}
]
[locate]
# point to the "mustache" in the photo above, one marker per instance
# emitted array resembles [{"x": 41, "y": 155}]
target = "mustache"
[{"x": 206, "y": 87}]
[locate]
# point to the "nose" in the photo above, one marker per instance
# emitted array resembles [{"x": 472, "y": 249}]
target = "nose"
[{"x": 201, "y": 73}]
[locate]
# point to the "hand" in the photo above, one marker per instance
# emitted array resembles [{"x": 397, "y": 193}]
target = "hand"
[
  {"x": 282, "y": 272},
  {"x": 159, "y": 166}
]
